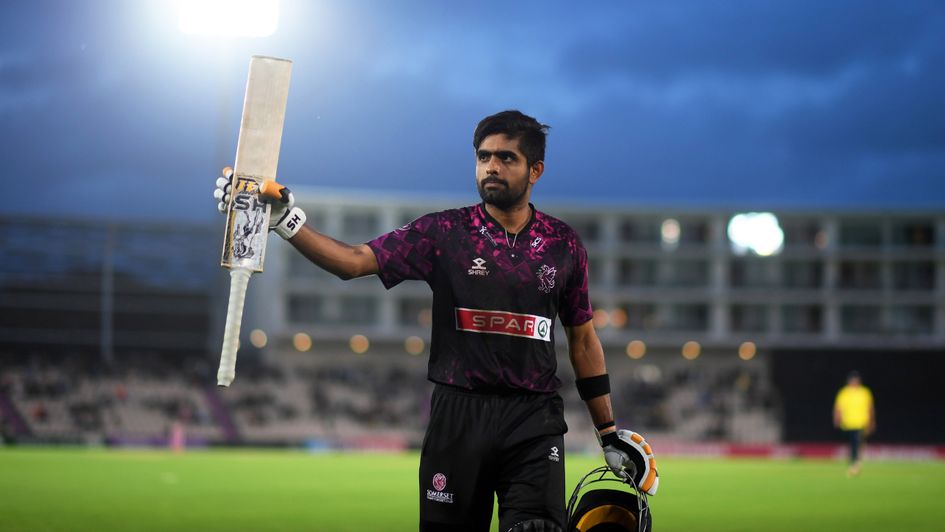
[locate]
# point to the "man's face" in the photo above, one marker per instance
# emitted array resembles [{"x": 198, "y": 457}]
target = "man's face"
[{"x": 503, "y": 176}]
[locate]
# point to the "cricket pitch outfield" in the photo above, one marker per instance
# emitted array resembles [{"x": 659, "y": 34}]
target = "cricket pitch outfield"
[{"x": 92, "y": 489}]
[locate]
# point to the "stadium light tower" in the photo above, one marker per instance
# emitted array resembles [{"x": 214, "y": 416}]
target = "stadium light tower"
[
  {"x": 232, "y": 18},
  {"x": 759, "y": 232}
]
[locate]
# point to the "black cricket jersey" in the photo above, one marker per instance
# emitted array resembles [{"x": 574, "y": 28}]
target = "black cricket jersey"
[{"x": 495, "y": 295}]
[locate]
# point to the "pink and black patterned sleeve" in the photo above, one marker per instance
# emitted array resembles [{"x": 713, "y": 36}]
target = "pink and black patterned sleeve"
[
  {"x": 575, "y": 304},
  {"x": 406, "y": 253}
]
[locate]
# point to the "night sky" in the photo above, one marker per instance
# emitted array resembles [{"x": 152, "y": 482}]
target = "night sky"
[{"x": 108, "y": 110}]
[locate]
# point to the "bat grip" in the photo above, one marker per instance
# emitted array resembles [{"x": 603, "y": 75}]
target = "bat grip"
[{"x": 239, "y": 280}]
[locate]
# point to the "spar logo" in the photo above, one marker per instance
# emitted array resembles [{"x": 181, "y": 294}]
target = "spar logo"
[
  {"x": 437, "y": 494},
  {"x": 499, "y": 322}
]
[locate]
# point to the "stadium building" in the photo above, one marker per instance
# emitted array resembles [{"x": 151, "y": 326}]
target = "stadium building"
[{"x": 719, "y": 325}]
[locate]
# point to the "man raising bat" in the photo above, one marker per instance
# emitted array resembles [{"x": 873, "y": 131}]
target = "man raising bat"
[{"x": 501, "y": 272}]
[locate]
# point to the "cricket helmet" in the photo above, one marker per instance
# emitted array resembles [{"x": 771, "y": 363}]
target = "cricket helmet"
[{"x": 607, "y": 510}]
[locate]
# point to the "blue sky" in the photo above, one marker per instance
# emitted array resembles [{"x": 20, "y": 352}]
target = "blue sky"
[{"x": 106, "y": 109}]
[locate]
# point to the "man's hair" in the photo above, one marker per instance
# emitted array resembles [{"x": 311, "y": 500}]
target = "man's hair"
[{"x": 515, "y": 125}]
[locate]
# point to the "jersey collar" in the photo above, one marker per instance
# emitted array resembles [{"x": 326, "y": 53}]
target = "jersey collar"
[{"x": 495, "y": 223}]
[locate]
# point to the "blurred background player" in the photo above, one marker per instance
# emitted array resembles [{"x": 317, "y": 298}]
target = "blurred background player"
[
  {"x": 500, "y": 272},
  {"x": 853, "y": 413}
]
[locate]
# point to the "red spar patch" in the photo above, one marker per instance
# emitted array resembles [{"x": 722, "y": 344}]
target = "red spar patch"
[{"x": 499, "y": 322}]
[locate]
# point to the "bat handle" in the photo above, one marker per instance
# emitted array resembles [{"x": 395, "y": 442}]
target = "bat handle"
[
  {"x": 274, "y": 191},
  {"x": 239, "y": 280}
]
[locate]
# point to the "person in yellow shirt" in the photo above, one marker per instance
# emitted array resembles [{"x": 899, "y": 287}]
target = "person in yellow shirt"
[{"x": 853, "y": 413}]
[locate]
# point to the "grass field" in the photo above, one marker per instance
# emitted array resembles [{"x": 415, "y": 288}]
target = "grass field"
[{"x": 78, "y": 489}]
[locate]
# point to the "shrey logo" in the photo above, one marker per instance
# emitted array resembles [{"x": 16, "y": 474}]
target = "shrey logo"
[
  {"x": 553, "y": 455},
  {"x": 546, "y": 278},
  {"x": 439, "y": 481},
  {"x": 478, "y": 267},
  {"x": 499, "y": 322}
]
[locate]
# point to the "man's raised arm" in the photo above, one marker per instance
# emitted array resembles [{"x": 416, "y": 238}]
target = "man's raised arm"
[{"x": 344, "y": 260}]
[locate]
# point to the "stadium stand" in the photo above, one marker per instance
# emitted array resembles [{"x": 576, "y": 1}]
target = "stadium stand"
[
  {"x": 77, "y": 400},
  {"x": 338, "y": 400}
]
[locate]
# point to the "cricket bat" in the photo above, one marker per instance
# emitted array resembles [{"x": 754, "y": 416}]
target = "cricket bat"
[{"x": 247, "y": 219}]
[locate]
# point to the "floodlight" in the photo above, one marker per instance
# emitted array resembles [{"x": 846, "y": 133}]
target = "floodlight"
[
  {"x": 233, "y": 18},
  {"x": 759, "y": 232},
  {"x": 670, "y": 231}
]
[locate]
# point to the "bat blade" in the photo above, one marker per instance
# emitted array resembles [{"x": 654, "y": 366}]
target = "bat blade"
[
  {"x": 257, "y": 158},
  {"x": 247, "y": 222}
]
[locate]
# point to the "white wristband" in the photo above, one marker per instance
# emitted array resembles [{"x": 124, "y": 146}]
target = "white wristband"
[{"x": 290, "y": 224}]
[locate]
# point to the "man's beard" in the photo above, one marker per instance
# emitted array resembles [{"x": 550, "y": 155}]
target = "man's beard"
[{"x": 503, "y": 197}]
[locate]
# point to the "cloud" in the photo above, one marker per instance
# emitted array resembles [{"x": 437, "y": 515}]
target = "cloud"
[
  {"x": 661, "y": 102},
  {"x": 785, "y": 101},
  {"x": 894, "y": 109},
  {"x": 749, "y": 38}
]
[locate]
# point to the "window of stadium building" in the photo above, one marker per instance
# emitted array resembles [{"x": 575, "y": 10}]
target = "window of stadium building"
[
  {"x": 916, "y": 275},
  {"x": 685, "y": 273},
  {"x": 637, "y": 272},
  {"x": 861, "y": 233},
  {"x": 322, "y": 310},
  {"x": 800, "y": 274},
  {"x": 414, "y": 312},
  {"x": 693, "y": 232},
  {"x": 641, "y": 231},
  {"x": 912, "y": 320},
  {"x": 749, "y": 318},
  {"x": 689, "y": 317},
  {"x": 360, "y": 226},
  {"x": 642, "y": 316},
  {"x": 306, "y": 309},
  {"x": 801, "y": 319},
  {"x": 913, "y": 233},
  {"x": 800, "y": 233},
  {"x": 360, "y": 310},
  {"x": 750, "y": 272},
  {"x": 860, "y": 275},
  {"x": 861, "y": 319},
  {"x": 587, "y": 228}
]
